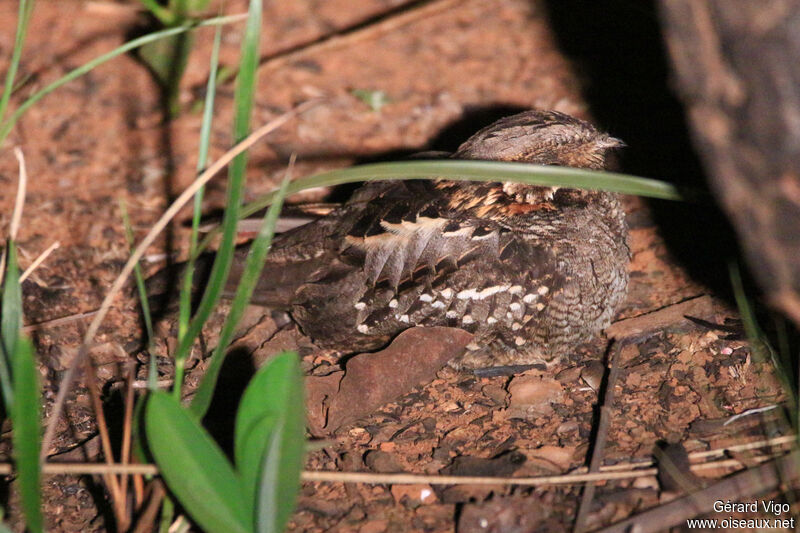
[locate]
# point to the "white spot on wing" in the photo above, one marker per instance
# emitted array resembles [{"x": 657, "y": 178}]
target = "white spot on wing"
[
  {"x": 426, "y": 297},
  {"x": 474, "y": 294},
  {"x": 409, "y": 229},
  {"x": 529, "y": 298},
  {"x": 438, "y": 305},
  {"x": 543, "y": 290},
  {"x": 519, "y": 341},
  {"x": 451, "y": 314},
  {"x": 361, "y": 306},
  {"x": 393, "y": 303},
  {"x": 491, "y": 320},
  {"x": 515, "y": 306},
  {"x": 403, "y": 318},
  {"x": 467, "y": 294},
  {"x": 467, "y": 319},
  {"x": 489, "y": 291},
  {"x": 362, "y": 328},
  {"x": 516, "y": 289},
  {"x": 447, "y": 293}
]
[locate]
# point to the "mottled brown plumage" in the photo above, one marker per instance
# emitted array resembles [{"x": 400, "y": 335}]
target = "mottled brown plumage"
[{"x": 532, "y": 271}]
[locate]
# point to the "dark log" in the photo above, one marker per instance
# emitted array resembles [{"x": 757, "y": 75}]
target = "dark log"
[{"x": 738, "y": 72}]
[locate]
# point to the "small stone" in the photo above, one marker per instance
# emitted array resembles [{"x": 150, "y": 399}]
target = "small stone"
[
  {"x": 413, "y": 495},
  {"x": 383, "y": 462}
]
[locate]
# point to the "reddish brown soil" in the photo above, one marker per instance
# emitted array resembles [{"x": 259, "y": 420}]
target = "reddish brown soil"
[{"x": 102, "y": 138}]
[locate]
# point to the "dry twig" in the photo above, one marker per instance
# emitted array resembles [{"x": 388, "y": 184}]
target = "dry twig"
[
  {"x": 606, "y": 473},
  {"x": 738, "y": 488},
  {"x": 38, "y": 261},
  {"x": 601, "y": 437}
]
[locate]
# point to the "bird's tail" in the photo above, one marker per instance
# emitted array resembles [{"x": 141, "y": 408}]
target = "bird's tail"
[{"x": 275, "y": 288}]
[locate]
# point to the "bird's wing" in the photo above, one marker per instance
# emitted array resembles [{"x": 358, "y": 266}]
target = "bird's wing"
[{"x": 384, "y": 234}]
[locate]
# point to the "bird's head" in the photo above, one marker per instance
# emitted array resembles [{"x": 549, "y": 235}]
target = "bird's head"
[{"x": 543, "y": 138}]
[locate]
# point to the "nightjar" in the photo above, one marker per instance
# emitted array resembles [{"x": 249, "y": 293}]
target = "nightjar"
[{"x": 530, "y": 271}]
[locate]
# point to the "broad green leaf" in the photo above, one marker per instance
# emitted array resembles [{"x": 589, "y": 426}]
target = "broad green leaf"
[
  {"x": 25, "y": 421},
  {"x": 194, "y": 467},
  {"x": 270, "y": 469},
  {"x": 254, "y": 440},
  {"x": 275, "y": 497}
]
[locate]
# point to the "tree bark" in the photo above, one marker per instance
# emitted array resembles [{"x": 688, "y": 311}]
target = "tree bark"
[{"x": 738, "y": 72}]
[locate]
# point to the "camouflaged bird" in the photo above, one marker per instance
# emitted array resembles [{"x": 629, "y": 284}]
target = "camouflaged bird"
[{"x": 530, "y": 271}]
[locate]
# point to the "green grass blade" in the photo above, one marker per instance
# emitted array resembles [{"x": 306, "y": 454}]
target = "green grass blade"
[
  {"x": 25, "y": 420},
  {"x": 270, "y": 440},
  {"x": 167, "y": 515},
  {"x": 194, "y": 467},
  {"x": 179, "y": 7},
  {"x": 164, "y": 15},
  {"x": 243, "y": 101},
  {"x": 23, "y": 18},
  {"x": 746, "y": 311},
  {"x": 252, "y": 270},
  {"x": 10, "y": 322},
  {"x": 474, "y": 171},
  {"x": 20, "y": 382},
  {"x": 198, "y": 5},
  {"x": 141, "y": 289},
  {"x": 545, "y": 175},
  {"x": 208, "y": 105},
  {"x": 761, "y": 348},
  {"x": 167, "y": 60},
  {"x": 185, "y": 307},
  {"x": 7, "y": 125}
]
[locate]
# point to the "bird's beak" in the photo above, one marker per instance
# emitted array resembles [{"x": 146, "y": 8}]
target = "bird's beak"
[{"x": 611, "y": 142}]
